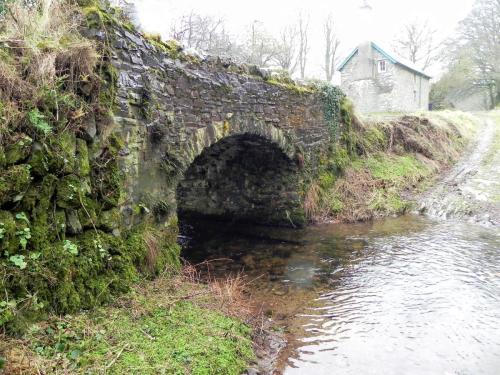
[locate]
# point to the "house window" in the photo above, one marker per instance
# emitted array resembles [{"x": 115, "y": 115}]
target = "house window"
[{"x": 382, "y": 66}]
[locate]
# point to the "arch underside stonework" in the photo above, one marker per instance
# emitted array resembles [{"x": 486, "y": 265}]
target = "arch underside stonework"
[{"x": 241, "y": 174}]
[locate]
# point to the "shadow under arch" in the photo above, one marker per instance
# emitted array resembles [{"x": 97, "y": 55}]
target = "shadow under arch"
[{"x": 245, "y": 174}]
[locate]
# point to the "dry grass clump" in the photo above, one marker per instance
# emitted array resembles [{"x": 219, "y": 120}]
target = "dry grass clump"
[
  {"x": 12, "y": 86},
  {"x": 77, "y": 64},
  {"x": 390, "y": 159},
  {"x": 153, "y": 249},
  {"x": 229, "y": 295},
  {"x": 45, "y": 64},
  {"x": 42, "y": 26},
  {"x": 436, "y": 136},
  {"x": 355, "y": 190},
  {"x": 312, "y": 204},
  {"x": 193, "y": 284},
  {"x": 418, "y": 134},
  {"x": 21, "y": 360}
]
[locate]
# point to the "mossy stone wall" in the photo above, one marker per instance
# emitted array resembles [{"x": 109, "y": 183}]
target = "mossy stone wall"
[
  {"x": 85, "y": 212},
  {"x": 170, "y": 110}
]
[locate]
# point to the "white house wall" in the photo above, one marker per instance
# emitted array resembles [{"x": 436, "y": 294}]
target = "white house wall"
[{"x": 389, "y": 91}]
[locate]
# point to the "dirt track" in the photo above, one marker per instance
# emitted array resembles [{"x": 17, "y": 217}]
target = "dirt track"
[{"x": 471, "y": 190}]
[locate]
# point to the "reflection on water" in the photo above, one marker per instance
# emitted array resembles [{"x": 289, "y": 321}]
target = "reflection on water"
[{"x": 398, "y": 296}]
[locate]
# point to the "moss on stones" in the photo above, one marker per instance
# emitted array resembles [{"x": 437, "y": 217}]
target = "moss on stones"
[
  {"x": 64, "y": 150},
  {"x": 98, "y": 16},
  {"x": 3, "y": 162},
  {"x": 103, "y": 265},
  {"x": 39, "y": 159},
  {"x": 73, "y": 224},
  {"x": 107, "y": 175},
  {"x": 110, "y": 219},
  {"x": 171, "y": 48},
  {"x": 82, "y": 166},
  {"x": 56, "y": 155},
  {"x": 58, "y": 225},
  {"x": 291, "y": 85},
  {"x": 70, "y": 190},
  {"x": 18, "y": 150},
  {"x": 8, "y": 240},
  {"x": 109, "y": 79},
  {"x": 42, "y": 231},
  {"x": 61, "y": 193},
  {"x": 14, "y": 182},
  {"x": 88, "y": 213}
]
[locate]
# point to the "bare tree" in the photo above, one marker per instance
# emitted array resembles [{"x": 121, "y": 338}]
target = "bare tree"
[
  {"x": 185, "y": 29},
  {"x": 332, "y": 43},
  {"x": 204, "y": 33},
  {"x": 303, "y": 29},
  {"x": 416, "y": 41},
  {"x": 365, "y": 5},
  {"x": 286, "y": 52},
  {"x": 260, "y": 47},
  {"x": 480, "y": 34}
]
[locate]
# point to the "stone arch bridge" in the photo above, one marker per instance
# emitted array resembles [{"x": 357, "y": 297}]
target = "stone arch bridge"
[{"x": 207, "y": 137}]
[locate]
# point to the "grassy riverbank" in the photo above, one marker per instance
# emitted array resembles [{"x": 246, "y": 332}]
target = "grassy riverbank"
[
  {"x": 495, "y": 117},
  {"x": 173, "y": 325},
  {"x": 383, "y": 160}
]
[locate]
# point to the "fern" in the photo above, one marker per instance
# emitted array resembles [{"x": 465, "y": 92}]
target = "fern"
[{"x": 37, "y": 119}]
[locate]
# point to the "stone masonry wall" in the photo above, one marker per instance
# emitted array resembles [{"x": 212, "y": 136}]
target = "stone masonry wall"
[{"x": 169, "y": 111}]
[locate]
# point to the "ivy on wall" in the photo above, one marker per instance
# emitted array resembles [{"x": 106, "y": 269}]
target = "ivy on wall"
[{"x": 332, "y": 99}]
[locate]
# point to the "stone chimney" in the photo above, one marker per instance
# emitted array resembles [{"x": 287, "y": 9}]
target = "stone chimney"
[{"x": 365, "y": 61}]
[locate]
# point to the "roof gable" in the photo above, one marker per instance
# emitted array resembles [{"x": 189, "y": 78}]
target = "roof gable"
[{"x": 395, "y": 59}]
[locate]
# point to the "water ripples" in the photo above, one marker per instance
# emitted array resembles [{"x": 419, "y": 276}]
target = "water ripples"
[
  {"x": 426, "y": 302},
  {"x": 398, "y": 296}
]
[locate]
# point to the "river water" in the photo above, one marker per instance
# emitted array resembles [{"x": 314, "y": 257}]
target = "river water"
[{"x": 405, "y": 295}]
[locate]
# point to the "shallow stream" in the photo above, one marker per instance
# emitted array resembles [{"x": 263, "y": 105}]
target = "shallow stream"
[{"x": 404, "y": 295}]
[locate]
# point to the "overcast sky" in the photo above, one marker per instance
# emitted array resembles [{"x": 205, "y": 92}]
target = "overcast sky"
[{"x": 380, "y": 24}]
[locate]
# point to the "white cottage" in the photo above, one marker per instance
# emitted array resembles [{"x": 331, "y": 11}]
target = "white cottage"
[{"x": 377, "y": 80}]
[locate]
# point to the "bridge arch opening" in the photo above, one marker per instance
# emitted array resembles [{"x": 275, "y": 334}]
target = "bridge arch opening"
[{"x": 242, "y": 178}]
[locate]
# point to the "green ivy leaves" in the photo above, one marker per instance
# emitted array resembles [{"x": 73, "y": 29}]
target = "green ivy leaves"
[{"x": 332, "y": 99}]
